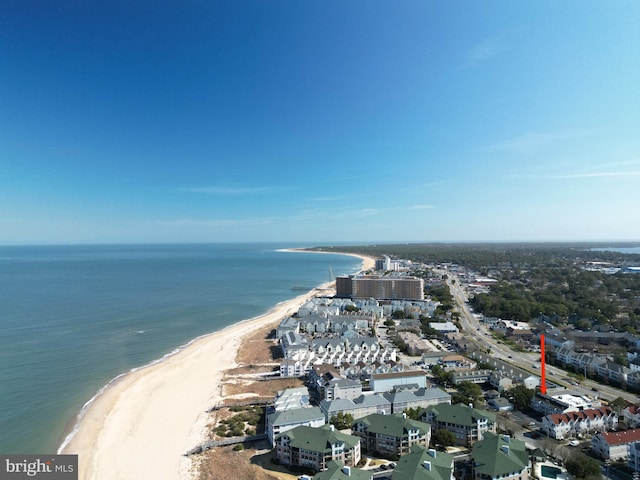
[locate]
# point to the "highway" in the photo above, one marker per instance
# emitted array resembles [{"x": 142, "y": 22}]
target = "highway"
[{"x": 478, "y": 335}]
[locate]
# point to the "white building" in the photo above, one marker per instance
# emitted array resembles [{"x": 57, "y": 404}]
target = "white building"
[
  {"x": 577, "y": 424},
  {"x": 562, "y": 403},
  {"x": 385, "y": 382},
  {"x": 615, "y": 445},
  {"x": 285, "y": 420},
  {"x": 444, "y": 327},
  {"x": 631, "y": 416}
]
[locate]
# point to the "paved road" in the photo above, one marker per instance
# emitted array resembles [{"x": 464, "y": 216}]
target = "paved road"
[{"x": 478, "y": 335}]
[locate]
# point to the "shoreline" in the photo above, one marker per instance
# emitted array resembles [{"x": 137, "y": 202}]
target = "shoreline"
[{"x": 141, "y": 423}]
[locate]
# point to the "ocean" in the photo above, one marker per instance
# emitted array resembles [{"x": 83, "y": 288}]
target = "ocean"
[
  {"x": 72, "y": 318},
  {"x": 635, "y": 250}
]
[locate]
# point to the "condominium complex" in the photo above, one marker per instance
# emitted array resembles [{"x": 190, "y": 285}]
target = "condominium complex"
[{"x": 378, "y": 287}]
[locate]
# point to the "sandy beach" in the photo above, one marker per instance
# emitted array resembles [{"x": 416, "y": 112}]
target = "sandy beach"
[{"x": 140, "y": 426}]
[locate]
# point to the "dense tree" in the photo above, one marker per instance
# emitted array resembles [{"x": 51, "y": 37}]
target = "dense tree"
[
  {"x": 342, "y": 420},
  {"x": 441, "y": 375},
  {"x": 443, "y": 438},
  {"x": 618, "y": 405},
  {"x": 621, "y": 359},
  {"x": 547, "y": 278},
  {"x": 581, "y": 466},
  {"x": 413, "y": 413},
  {"x": 520, "y": 396},
  {"x": 468, "y": 392}
]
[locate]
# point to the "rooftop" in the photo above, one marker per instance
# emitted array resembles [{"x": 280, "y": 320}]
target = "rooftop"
[
  {"x": 395, "y": 425},
  {"x": 620, "y": 438},
  {"x": 336, "y": 471},
  {"x": 296, "y": 415},
  {"x": 591, "y": 413},
  {"x": 318, "y": 439},
  {"x": 499, "y": 455},
  {"x": 424, "y": 464},
  {"x": 459, "y": 414}
]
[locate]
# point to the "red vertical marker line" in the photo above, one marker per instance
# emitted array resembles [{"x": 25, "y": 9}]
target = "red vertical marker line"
[{"x": 543, "y": 379}]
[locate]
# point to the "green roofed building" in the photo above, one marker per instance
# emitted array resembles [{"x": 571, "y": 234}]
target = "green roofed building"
[
  {"x": 314, "y": 447},
  {"x": 424, "y": 464},
  {"x": 467, "y": 423},
  {"x": 500, "y": 457},
  {"x": 391, "y": 435},
  {"x": 339, "y": 471}
]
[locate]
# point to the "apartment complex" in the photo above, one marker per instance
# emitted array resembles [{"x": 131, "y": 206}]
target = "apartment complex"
[
  {"x": 500, "y": 457},
  {"x": 424, "y": 464},
  {"x": 390, "y": 435},
  {"x": 314, "y": 447},
  {"x": 468, "y": 424}
]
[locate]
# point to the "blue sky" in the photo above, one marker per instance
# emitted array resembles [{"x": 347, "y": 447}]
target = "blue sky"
[{"x": 313, "y": 122}]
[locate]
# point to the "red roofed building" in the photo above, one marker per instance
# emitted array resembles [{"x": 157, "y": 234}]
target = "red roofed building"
[
  {"x": 615, "y": 445},
  {"x": 574, "y": 424}
]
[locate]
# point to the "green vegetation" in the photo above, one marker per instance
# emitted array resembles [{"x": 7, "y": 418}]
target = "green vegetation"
[
  {"x": 442, "y": 376},
  {"x": 535, "y": 278},
  {"x": 243, "y": 423},
  {"x": 342, "y": 420},
  {"x": 443, "y": 438},
  {"x": 581, "y": 466},
  {"x": 520, "y": 396},
  {"x": 618, "y": 405},
  {"x": 468, "y": 392},
  {"x": 441, "y": 294},
  {"x": 414, "y": 413}
]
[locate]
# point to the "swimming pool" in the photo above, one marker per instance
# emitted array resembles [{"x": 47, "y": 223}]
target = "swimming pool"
[{"x": 547, "y": 471}]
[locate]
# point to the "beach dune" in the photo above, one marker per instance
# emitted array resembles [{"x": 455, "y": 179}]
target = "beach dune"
[{"x": 141, "y": 425}]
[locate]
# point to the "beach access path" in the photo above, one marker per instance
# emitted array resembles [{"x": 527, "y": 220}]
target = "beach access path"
[{"x": 143, "y": 423}]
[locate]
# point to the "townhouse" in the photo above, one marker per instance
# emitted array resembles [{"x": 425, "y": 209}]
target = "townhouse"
[
  {"x": 396, "y": 401},
  {"x": 578, "y": 423},
  {"x": 547, "y": 404},
  {"x": 613, "y": 371},
  {"x": 403, "y": 398},
  {"x": 473, "y": 376},
  {"x": 631, "y": 416},
  {"x": 358, "y": 407},
  {"x": 300, "y": 353},
  {"x": 386, "y": 382},
  {"x": 616, "y": 446}
]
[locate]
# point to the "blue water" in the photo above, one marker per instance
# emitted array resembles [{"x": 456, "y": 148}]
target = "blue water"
[
  {"x": 619, "y": 249},
  {"x": 547, "y": 471},
  {"x": 74, "y": 317}
]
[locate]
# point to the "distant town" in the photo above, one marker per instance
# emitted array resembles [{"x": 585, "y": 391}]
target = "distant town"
[{"x": 408, "y": 375}]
